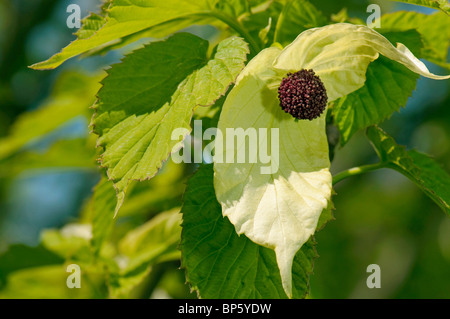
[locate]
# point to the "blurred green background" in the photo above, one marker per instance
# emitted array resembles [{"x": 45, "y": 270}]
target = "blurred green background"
[{"x": 381, "y": 217}]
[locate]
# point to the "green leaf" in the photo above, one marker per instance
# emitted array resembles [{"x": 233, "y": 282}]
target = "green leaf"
[
  {"x": 418, "y": 167},
  {"x": 155, "y": 241},
  {"x": 435, "y": 4},
  {"x": 81, "y": 156},
  {"x": 121, "y": 285},
  {"x": 434, "y": 30},
  {"x": 233, "y": 8},
  {"x": 71, "y": 242},
  {"x": 221, "y": 264},
  {"x": 90, "y": 25},
  {"x": 387, "y": 89},
  {"x": 261, "y": 23},
  {"x": 126, "y": 18},
  {"x": 326, "y": 216},
  {"x": 296, "y": 17},
  {"x": 162, "y": 192},
  {"x": 153, "y": 92},
  {"x": 72, "y": 96},
  {"x": 103, "y": 204},
  {"x": 49, "y": 282},
  {"x": 21, "y": 257}
]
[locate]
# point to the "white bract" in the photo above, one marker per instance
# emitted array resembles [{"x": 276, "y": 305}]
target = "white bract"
[{"x": 281, "y": 210}]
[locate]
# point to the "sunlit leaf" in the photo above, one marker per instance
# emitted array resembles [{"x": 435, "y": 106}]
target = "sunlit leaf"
[
  {"x": 152, "y": 93},
  {"x": 153, "y": 242},
  {"x": 103, "y": 205},
  {"x": 126, "y": 18}
]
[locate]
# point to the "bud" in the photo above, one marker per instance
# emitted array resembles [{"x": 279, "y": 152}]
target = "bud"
[{"x": 303, "y": 95}]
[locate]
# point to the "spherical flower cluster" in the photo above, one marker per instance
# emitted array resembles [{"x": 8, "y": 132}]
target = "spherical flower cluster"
[{"x": 303, "y": 95}]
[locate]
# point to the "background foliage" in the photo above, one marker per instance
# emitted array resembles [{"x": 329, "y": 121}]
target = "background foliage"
[{"x": 48, "y": 171}]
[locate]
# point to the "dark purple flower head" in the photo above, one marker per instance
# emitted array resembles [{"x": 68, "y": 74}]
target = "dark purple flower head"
[{"x": 303, "y": 95}]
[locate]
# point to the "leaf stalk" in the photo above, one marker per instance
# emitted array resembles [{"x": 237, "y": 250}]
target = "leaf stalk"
[{"x": 357, "y": 171}]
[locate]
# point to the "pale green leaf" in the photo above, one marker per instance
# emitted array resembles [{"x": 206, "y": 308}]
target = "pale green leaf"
[
  {"x": 90, "y": 25},
  {"x": 152, "y": 93},
  {"x": 103, "y": 205},
  {"x": 122, "y": 285},
  {"x": 70, "y": 242},
  {"x": 221, "y": 264},
  {"x": 48, "y": 282},
  {"x": 418, "y": 167},
  {"x": 82, "y": 156},
  {"x": 126, "y": 18},
  {"x": 152, "y": 241}
]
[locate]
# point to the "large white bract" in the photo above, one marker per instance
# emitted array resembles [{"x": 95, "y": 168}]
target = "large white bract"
[{"x": 281, "y": 210}]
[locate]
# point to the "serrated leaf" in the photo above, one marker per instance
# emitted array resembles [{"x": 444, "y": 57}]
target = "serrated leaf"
[
  {"x": 221, "y": 264},
  {"x": 434, "y": 30},
  {"x": 388, "y": 87},
  {"x": 152, "y": 93},
  {"x": 90, "y": 25},
  {"x": 326, "y": 216},
  {"x": 280, "y": 209},
  {"x": 126, "y": 18},
  {"x": 296, "y": 17},
  {"x": 418, "y": 167}
]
